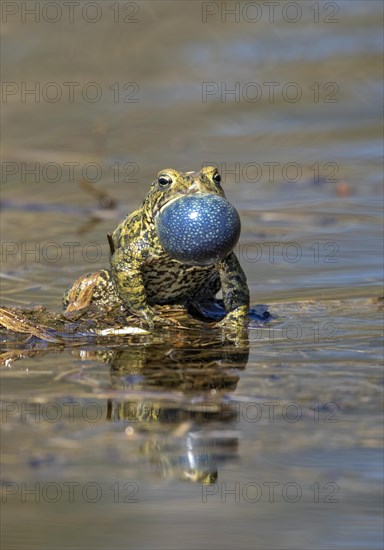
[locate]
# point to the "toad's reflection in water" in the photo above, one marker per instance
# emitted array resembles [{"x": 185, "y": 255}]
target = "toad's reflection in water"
[
  {"x": 180, "y": 443},
  {"x": 185, "y": 365},
  {"x": 189, "y": 439},
  {"x": 169, "y": 392}
]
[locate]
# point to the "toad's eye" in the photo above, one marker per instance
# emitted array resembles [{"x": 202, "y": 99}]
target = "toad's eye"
[
  {"x": 216, "y": 177},
  {"x": 164, "y": 180}
]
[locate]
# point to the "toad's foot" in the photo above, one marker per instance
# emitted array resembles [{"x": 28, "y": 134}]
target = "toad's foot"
[
  {"x": 236, "y": 319},
  {"x": 236, "y": 326}
]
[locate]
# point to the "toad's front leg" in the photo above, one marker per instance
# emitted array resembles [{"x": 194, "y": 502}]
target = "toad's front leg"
[
  {"x": 128, "y": 279},
  {"x": 235, "y": 292},
  {"x": 126, "y": 269}
]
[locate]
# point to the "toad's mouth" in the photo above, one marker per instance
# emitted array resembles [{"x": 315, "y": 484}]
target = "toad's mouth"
[{"x": 177, "y": 197}]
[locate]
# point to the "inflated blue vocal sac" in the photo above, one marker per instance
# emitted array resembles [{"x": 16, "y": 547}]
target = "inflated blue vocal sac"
[{"x": 199, "y": 229}]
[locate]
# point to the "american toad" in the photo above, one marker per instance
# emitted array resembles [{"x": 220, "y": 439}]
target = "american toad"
[{"x": 142, "y": 274}]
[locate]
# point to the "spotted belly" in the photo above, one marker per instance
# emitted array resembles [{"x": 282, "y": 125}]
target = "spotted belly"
[{"x": 173, "y": 282}]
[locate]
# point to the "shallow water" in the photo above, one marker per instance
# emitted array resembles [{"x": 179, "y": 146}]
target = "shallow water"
[{"x": 173, "y": 440}]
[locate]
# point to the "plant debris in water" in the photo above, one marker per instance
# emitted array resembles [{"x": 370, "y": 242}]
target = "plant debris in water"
[{"x": 56, "y": 327}]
